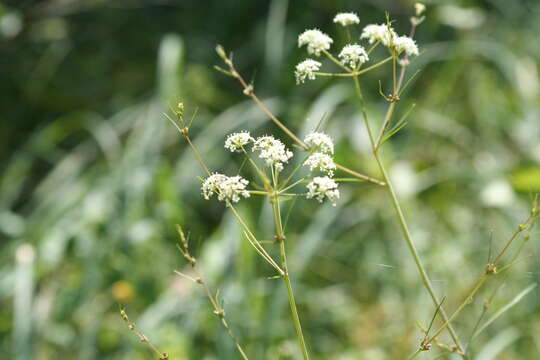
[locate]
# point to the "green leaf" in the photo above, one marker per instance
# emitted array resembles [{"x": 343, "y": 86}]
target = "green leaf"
[{"x": 506, "y": 307}]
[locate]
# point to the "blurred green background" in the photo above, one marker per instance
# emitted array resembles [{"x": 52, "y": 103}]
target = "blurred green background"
[{"x": 93, "y": 179}]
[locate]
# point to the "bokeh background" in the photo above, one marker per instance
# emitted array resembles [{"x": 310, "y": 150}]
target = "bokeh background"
[{"x": 93, "y": 179}]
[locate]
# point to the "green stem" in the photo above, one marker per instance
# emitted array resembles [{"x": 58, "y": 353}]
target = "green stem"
[
  {"x": 416, "y": 353},
  {"x": 286, "y": 278},
  {"x": 402, "y": 222}
]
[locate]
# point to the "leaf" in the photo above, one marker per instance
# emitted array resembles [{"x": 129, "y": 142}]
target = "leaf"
[
  {"x": 506, "y": 307},
  {"x": 398, "y": 126}
]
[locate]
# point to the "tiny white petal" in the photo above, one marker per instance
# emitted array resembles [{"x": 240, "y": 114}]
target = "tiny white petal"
[
  {"x": 405, "y": 43},
  {"x": 323, "y": 187},
  {"x": 346, "y": 19},
  {"x": 306, "y": 69},
  {"x": 272, "y": 151},
  {"x": 315, "y": 40},
  {"x": 353, "y": 55},
  {"x": 321, "y": 161},
  {"x": 382, "y": 33},
  {"x": 236, "y": 141},
  {"x": 320, "y": 142},
  {"x": 226, "y": 188}
]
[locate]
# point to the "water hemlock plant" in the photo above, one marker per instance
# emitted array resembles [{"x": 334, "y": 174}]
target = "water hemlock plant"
[{"x": 267, "y": 171}]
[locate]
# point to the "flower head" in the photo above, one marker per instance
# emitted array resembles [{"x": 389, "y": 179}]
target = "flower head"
[
  {"x": 273, "y": 151},
  {"x": 382, "y": 33},
  {"x": 226, "y": 188},
  {"x": 306, "y": 69},
  {"x": 321, "y": 161},
  {"x": 236, "y": 141},
  {"x": 315, "y": 40},
  {"x": 353, "y": 55},
  {"x": 406, "y": 44},
  {"x": 345, "y": 19},
  {"x": 320, "y": 142},
  {"x": 323, "y": 187}
]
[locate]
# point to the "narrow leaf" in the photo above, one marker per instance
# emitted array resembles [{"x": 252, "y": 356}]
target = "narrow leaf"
[{"x": 507, "y": 307}]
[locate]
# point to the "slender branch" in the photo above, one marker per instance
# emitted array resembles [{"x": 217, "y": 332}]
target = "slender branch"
[
  {"x": 491, "y": 271},
  {"x": 280, "y": 237},
  {"x": 401, "y": 219},
  {"x": 356, "y": 73},
  {"x": 336, "y": 61},
  {"x": 143, "y": 338},
  {"x": 214, "y": 301},
  {"x": 254, "y": 242}
]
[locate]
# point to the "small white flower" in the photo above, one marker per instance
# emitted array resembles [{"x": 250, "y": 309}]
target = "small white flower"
[
  {"x": 382, "y": 33},
  {"x": 226, "y": 188},
  {"x": 236, "y": 141},
  {"x": 233, "y": 188},
  {"x": 315, "y": 40},
  {"x": 322, "y": 162},
  {"x": 273, "y": 151},
  {"x": 353, "y": 55},
  {"x": 306, "y": 69},
  {"x": 323, "y": 187},
  {"x": 345, "y": 19},
  {"x": 320, "y": 141},
  {"x": 405, "y": 43},
  {"x": 212, "y": 184}
]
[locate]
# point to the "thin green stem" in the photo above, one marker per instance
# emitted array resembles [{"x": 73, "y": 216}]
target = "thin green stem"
[
  {"x": 465, "y": 302},
  {"x": 336, "y": 61},
  {"x": 416, "y": 353},
  {"x": 487, "y": 275},
  {"x": 292, "y": 185},
  {"x": 258, "y": 192},
  {"x": 352, "y": 73},
  {"x": 387, "y": 118},
  {"x": 402, "y": 222},
  {"x": 254, "y": 242},
  {"x": 286, "y": 278},
  {"x": 260, "y": 172},
  {"x": 374, "y": 66}
]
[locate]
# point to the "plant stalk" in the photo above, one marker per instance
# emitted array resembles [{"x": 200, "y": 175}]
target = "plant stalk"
[
  {"x": 286, "y": 278},
  {"x": 403, "y": 223}
]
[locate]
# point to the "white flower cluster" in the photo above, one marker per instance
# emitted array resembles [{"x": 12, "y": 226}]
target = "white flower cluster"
[
  {"x": 227, "y": 188},
  {"x": 306, "y": 69},
  {"x": 388, "y": 37},
  {"x": 320, "y": 141},
  {"x": 323, "y": 187},
  {"x": 315, "y": 40},
  {"x": 236, "y": 141},
  {"x": 353, "y": 55},
  {"x": 406, "y": 44},
  {"x": 346, "y": 19},
  {"x": 381, "y": 33},
  {"x": 321, "y": 161},
  {"x": 272, "y": 151}
]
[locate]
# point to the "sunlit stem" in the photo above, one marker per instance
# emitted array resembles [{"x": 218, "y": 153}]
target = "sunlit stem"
[
  {"x": 401, "y": 219},
  {"x": 280, "y": 237},
  {"x": 254, "y": 242}
]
